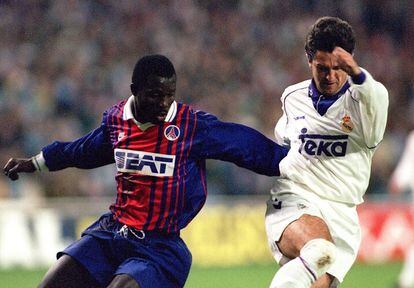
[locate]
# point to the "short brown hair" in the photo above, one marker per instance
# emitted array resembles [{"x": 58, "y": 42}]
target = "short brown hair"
[{"x": 327, "y": 33}]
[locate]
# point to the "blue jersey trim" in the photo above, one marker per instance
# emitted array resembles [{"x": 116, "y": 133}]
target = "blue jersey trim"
[
  {"x": 359, "y": 79},
  {"x": 322, "y": 103}
]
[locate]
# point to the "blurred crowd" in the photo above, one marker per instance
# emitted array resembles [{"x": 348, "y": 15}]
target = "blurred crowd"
[{"x": 63, "y": 62}]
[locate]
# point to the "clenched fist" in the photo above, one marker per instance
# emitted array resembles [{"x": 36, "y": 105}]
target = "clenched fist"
[
  {"x": 15, "y": 166},
  {"x": 346, "y": 62}
]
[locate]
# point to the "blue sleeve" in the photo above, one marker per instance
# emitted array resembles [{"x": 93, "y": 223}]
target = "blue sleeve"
[
  {"x": 90, "y": 151},
  {"x": 242, "y": 146}
]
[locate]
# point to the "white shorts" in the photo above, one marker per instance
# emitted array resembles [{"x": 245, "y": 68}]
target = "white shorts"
[{"x": 341, "y": 218}]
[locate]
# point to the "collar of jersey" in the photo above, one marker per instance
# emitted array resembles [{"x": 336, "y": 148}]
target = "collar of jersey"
[
  {"x": 322, "y": 103},
  {"x": 127, "y": 115}
]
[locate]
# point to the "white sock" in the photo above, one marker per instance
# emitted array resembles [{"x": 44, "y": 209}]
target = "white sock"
[
  {"x": 316, "y": 257},
  {"x": 406, "y": 278},
  {"x": 292, "y": 275}
]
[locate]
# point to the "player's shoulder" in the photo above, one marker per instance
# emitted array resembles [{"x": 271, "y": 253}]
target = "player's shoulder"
[
  {"x": 372, "y": 82},
  {"x": 197, "y": 114},
  {"x": 115, "y": 112},
  {"x": 296, "y": 89},
  {"x": 117, "y": 108}
]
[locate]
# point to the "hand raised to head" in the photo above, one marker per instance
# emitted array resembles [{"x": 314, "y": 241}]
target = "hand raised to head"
[{"x": 346, "y": 61}]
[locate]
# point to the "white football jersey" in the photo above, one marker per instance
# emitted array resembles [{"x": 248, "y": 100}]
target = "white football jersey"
[
  {"x": 330, "y": 155},
  {"x": 403, "y": 175}
]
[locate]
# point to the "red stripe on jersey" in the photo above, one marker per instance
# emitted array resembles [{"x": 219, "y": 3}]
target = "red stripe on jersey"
[
  {"x": 163, "y": 192},
  {"x": 156, "y": 204},
  {"x": 201, "y": 172},
  {"x": 161, "y": 195},
  {"x": 117, "y": 123},
  {"x": 147, "y": 204},
  {"x": 172, "y": 182},
  {"x": 203, "y": 181},
  {"x": 173, "y": 215},
  {"x": 124, "y": 197},
  {"x": 173, "y": 225},
  {"x": 169, "y": 191}
]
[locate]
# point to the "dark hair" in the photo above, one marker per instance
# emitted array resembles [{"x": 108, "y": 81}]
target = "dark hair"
[
  {"x": 327, "y": 33},
  {"x": 157, "y": 65}
]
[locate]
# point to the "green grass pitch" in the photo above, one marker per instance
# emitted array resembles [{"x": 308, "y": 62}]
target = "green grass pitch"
[{"x": 254, "y": 276}]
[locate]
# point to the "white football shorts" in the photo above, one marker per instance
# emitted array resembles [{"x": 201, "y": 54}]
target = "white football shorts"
[{"x": 341, "y": 218}]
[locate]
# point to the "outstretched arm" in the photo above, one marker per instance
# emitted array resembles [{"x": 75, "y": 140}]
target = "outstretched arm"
[
  {"x": 242, "y": 146},
  {"x": 90, "y": 151}
]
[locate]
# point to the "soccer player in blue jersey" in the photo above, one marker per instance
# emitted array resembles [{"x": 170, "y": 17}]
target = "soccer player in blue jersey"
[{"x": 159, "y": 147}]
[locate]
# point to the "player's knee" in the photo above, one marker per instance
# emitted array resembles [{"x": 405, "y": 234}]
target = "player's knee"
[{"x": 319, "y": 254}]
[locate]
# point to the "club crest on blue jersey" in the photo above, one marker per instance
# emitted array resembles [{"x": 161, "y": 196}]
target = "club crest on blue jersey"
[
  {"x": 172, "y": 132},
  {"x": 323, "y": 145},
  {"x": 145, "y": 163}
]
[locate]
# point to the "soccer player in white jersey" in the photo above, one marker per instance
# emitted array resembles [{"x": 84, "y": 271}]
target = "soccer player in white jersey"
[
  {"x": 333, "y": 124},
  {"x": 402, "y": 179}
]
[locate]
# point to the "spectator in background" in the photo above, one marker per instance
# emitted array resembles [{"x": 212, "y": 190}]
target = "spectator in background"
[{"x": 402, "y": 180}]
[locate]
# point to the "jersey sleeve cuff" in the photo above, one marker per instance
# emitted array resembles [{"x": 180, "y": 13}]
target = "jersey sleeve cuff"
[
  {"x": 359, "y": 79},
  {"x": 39, "y": 162}
]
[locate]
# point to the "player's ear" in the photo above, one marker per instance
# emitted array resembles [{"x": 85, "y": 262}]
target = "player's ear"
[
  {"x": 309, "y": 59},
  {"x": 134, "y": 89}
]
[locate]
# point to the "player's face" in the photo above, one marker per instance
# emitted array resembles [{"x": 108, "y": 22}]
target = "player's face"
[
  {"x": 328, "y": 78},
  {"x": 154, "y": 100}
]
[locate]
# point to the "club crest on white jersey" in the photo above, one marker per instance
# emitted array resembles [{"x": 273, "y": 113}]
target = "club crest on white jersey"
[
  {"x": 323, "y": 145},
  {"x": 346, "y": 124},
  {"x": 146, "y": 163}
]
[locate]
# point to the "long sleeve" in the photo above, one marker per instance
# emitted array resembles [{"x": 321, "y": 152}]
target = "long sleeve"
[
  {"x": 90, "y": 151},
  {"x": 373, "y": 101},
  {"x": 242, "y": 146}
]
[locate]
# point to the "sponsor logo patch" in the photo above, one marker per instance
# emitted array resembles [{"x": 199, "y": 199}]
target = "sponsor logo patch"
[
  {"x": 301, "y": 206},
  {"x": 172, "y": 132},
  {"x": 145, "y": 163},
  {"x": 323, "y": 145},
  {"x": 299, "y": 117}
]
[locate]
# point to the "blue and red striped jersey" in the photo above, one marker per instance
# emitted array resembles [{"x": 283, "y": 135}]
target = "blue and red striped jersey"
[{"x": 161, "y": 175}]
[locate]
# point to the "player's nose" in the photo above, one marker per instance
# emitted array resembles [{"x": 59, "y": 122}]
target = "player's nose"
[
  {"x": 330, "y": 75},
  {"x": 164, "y": 104}
]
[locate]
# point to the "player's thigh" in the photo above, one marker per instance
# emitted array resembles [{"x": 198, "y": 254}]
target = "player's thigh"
[
  {"x": 124, "y": 281},
  {"x": 68, "y": 273},
  {"x": 299, "y": 232}
]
